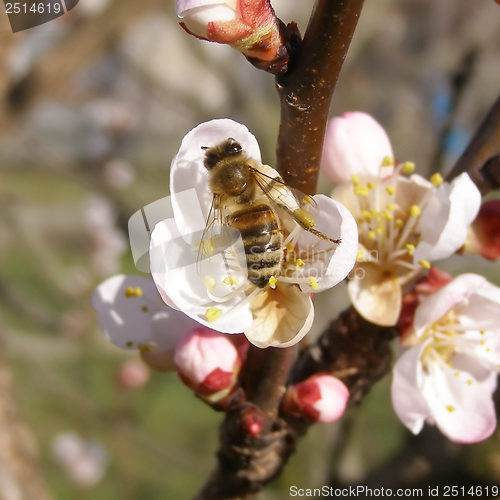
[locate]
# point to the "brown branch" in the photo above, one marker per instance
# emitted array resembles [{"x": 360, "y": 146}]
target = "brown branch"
[
  {"x": 483, "y": 147},
  {"x": 305, "y": 91}
]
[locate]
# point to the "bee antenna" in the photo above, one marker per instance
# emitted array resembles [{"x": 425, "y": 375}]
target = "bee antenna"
[{"x": 204, "y": 147}]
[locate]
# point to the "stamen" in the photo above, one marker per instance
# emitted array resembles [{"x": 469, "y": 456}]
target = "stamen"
[
  {"x": 313, "y": 283},
  {"x": 360, "y": 257},
  {"x": 408, "y": 167},
  {"x": 355, "y": 180},
  {"x": 425, "y": 264},
  {"x": 212, "y": 314},
  {"x": 387, "y": 161},
  {"x": 133, "y": 292},
  {"x": 436, "y": 179},
  {"x": 450, "y": 408},
  {"x": 415, "y": 211},
  {"x": 410, "y": 248},
  {"x": 372, "y": 185},
  {"x": 390, "y": 190},
  {"x": 299, "y": 263},
  {"x": 361, "y": 190}
]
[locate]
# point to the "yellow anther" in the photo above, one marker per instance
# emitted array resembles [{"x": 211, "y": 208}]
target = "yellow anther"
[
  {"x": 305, "y": 218},
  {"x": 388, "y": 215},
  {"x": 408, "y": 167},
  {"x": 410, "y": 248},
  {"x": 450, "y": 408},
  {"x": 299, "y": 263},
  {"x": 212, "y": 314},
  {"x": 355, "y": 179},
  {"x": 391, "y": 190},
  {"x": 367, "y": 215},
  {"x": 272, "y": 282},
  {"x": 457, "y": 374},
  {"x": 130, "y": 291},
  {"x": 481, "y": 332},
  {"x": 361, "y": 190},
  {"x": 399, "y": 223},
  {"x": 436, "y": 179},
  {"x": 425, "y": 264},
  {"x": 209, "y": 283},
  {"x": 144, "y": 309},
  {"x": 372, "y": 185},
  {"x": 387, "y": 161},
  {"x": 379, "y": 230},
  {"x": 391, "y": 206},
  {"x": 313, "y": 283},
  {"x": 488, "y": 349},
  {"x": 289, "y": 247},
  {"x": 360, "y": 257},
  {"x": 415, "y": 211},
  {"x": 230, "y": 280},
  {"x": 372, "y": 235},
  {"x": 469, "y": 382},
  {"x": 482, "y": 342}
]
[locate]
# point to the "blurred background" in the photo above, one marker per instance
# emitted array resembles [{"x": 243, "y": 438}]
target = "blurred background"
[{"x": 93, "y": 107}]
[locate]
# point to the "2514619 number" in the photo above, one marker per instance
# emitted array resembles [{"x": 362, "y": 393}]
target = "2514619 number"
[{"x": 34, "y": 8}]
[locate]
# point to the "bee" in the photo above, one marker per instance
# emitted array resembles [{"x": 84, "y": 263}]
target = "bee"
[{"x": 249, "y": 197}]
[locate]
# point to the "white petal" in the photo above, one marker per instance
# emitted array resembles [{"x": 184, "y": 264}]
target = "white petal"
[
  {"x": 187, "y": 171},
  {"x": 461, "y": 406},
  {"x": 129, "y": 321},
  {"x": 183, "y": 6},
  {"x": 444, "y": 221},
  {"x": 327, "y": 262},
  {"x": 439, "y": 303},
  {"x": 282, "y": 317},
  {"x": 176, "y": 272},
  {"x": 407, "y": 399}
]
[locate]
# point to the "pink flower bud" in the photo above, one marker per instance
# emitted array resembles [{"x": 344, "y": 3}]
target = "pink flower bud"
[
  {"x": 355, "y": 144},
  {"x": 132, "y": 374},
  {"x": 484, "y": 234},
  {"x": 321, "y": 398},
  {"x": 252, "y": 421},
  {"x": 208, "y": 362},
  {"x": 249, "y": 26}
]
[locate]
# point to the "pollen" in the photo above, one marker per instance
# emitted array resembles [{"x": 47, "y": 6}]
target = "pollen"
[
  {"x": 209, "y": 283},
  {"x": 313, "y": 283},
  {"x": 408, "y": 167},
  {"x": 272, "y": 281},
  {"x": 379, "y": 230},
  {"x": 450, "y": 408},
  {"x": 415, "y": 211},
  {"x": 425, "y": 264},
  {"x": 133, "y": 292},
  {"x": 469, "y": 382},
  {"x": 371, "y": 234},
  {"x": 399, "y": 223},
  {"x": 367, "y": 215},
  {"x": 391, "y": 190},
  {"x": 482, "y": 342},
  {"x": 360, "y": 257},
  {"x": 212, "y": 314},
  {"x": 299, "y": 263},
  {"x": 481, "y": 332},
  {"x": 361, "y": 190},
  {"x": 355, "y": 179},
  {"x": 436, "y": 179},
  {"x": 387, "y": 161},
  {"x": 388, "y": 215},
  {"x": 230, "y": 280},
  {"x": 372, "y": 185},
  {"x": 391, "y": 206},
  {"x": 410, "y": 248}
]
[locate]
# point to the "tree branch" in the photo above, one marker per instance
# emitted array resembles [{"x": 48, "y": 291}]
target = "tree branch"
[{"x": 305, "y": 91}]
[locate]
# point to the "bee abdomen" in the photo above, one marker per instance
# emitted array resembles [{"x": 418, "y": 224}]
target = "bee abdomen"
[{"x": 262, "y": 240}]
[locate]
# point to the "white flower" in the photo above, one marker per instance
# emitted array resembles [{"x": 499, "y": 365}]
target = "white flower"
[
  {"x": 448, "y": 375},
  {"x": 404, "y": 222},
  {"x": 216, "y": 291},
  {"x": 133, "y": 316}
]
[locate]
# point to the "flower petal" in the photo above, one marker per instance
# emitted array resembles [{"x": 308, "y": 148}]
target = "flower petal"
[
  {"x": 187, "y": 170},
  {"x": 327, "y": 262},
  {"x": 355, "y": 143},
  {"x": 375, "y": 295},
  {"x": 407, "y": 399},
  {"x": 445, "y": 219},
  {"x": 281, "y": 317}
]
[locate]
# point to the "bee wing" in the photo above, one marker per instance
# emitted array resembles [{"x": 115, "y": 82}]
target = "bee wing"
[
  {"x": 214, "y": 221},
  {"x": 288, "y": 199}
]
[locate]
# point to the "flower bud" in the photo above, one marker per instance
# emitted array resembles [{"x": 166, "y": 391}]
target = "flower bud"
[
  {"x": 484, "y": 233},
  {"x": 208, "y": 362},
  {"x": 321, "y": 398},
  {"x": 356, "y": 144},
  {"x": 252, "y": 421},
  {"x": 249, "y": 26},
  {"x": 132, "y": 374}
]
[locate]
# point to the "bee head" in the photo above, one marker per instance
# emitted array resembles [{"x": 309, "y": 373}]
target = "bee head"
[{"x": 226, "y": 149}]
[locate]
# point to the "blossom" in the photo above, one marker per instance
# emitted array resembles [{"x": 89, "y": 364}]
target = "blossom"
[
  {"x": 321, "y": 398},
  {"x": 249, "y": 26},
  {"x": 405, "y": 222},
  {"x": 208, "y": 362},
  {"x": 484, "y": 233},
  {"x": 215, "y": 290},
  {"x": 448, "y": 373},
  {"x": 133, "y": 316}
]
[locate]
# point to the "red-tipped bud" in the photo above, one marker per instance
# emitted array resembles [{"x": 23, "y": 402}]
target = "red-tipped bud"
[
  {"x": 132, "y": 374},
  {"x": 426, "y": 285},
  {"x": 484, "y": 233},
  {"x": 208, "y": 362},
  {"x": 249, "y": 26},
  {"x": 252, "y": 421},
  {"x": 320, "y": 398}
]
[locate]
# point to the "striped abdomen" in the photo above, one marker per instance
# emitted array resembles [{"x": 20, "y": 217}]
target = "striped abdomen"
[{"x": 263, "y": 241}]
